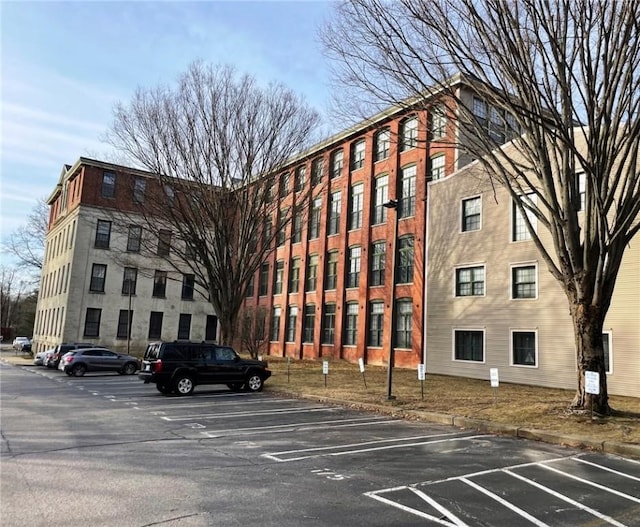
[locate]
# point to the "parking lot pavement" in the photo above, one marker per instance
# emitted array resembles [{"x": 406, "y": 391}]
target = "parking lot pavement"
[{"x": 407, "y": 473}]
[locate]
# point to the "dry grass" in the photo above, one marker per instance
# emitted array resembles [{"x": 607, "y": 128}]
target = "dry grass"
[{"x": 526, "y": 406}]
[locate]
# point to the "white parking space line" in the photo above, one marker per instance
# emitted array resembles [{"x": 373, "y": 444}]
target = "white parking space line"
[
  {"x": 505, "y": 503},
  {"x": 591, "y": 483},
  {"x": 181, "y": 402},
  {"x": 298, "y": 427},
  {"x": 562, "y": 497},
  {"x": 451, "y": 520},
  {"x": 602, "y": 467},
  {"x": 385, "y": 445},
  {"x": 254, "y": 413}
]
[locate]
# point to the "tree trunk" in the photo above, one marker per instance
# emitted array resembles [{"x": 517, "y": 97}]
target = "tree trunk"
[{"x": 587, "y": 323}]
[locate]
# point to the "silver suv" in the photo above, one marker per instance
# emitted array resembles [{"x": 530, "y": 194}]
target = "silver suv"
[{"x": 78, "y": 362}]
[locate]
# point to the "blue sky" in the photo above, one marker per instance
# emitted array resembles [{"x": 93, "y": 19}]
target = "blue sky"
[{"x": 65, "y": 64}]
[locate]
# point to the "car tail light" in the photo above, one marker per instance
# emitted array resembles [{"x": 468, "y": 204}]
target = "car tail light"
[
  {"x": 68, "y": 359},
  {"x": 157, "y": 366}
]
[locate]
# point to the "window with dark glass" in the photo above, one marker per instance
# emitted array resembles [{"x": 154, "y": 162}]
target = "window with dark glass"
[
  {"x": 376, "y": 323},
  {"x": 312, "y": 273},
  {"x": 300, "y": 178},
  {"x": 383, "y": 144},
  {"x": 357, "y": 154},
  {"x": 408, "y": 134},
  {"x": 292, "y": 319},
  {"x": 275, "y": 324},
  {"x": 316, "y": 171},
  {"x": 331, "y": 273},
  {"x": 139, "y": 189},
  {"x": 98, "y": 278},
  {"x": 108, "y": 184},
  {"x": 329, "y": 324},
  {"x": 404, "y": 269},
  {"x": 523, "y": 348},
  {"x": 263, "y": 280},
  {"x": 296, "y": 233},
  {"x": 134, "y": 238},
  {"x": 164, "y": 242},
  {"x": 408, "y": 192},
  {"x": 404, "y": 323},
  {"x": 155, "y": 324},
  {"x": 294, "y": 276},
  {"x": 281, "y": 235},
  {"x": 278, "y": 277},
  {"x": 337, "y": 162},
  {"x": 315, "y": 218},
  {"x": 92, "y": 322},
  {"x": 188, "y": 284},
  {"x": 309, "y": 323},
  {"x": 471, "y": 214},
  {"x": 470, "y": 281},
  {"x": 125, "y": 320},
  {"x": 335, "y": 204},
  {"x": 129, "y": 281},
  {"x": 378, "y": 262},
  {"x": 285, "y": 181},
  {"x": 354, "y": 262},
  {"x": 103, "y": 234},
  {"x": 160, "y": 284},
  {"x": 211, "y": 328},
  {"x": 184, "y": 326},
  {"x": 251, "y": 287},
  {"x": 351, "y": 324},
  {"x": 523, "y": 281},
  {"x": 469, "y": 345},
  {"x": 381, "y": 196}
]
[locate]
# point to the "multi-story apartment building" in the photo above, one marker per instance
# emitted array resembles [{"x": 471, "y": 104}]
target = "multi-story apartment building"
[
  {"x": 492, "y": 303},
  {"x": 328, "y": 286},
  {"x": 98, "y": 285}
]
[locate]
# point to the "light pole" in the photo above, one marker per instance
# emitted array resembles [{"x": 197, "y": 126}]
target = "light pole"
[{"x": 392, "y": 204}]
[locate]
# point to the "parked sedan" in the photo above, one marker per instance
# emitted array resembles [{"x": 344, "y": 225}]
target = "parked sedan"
[
  {"x": 20, "y": 342},
  {"x": 78, "y": 362},
  {"x": 38, "y": 360}
]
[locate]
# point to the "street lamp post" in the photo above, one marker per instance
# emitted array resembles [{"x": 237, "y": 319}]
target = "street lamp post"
[{"x": 392, "y": 204}]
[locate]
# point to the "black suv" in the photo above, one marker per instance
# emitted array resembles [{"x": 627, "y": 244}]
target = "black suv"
[{"x": 180, "y": 366}]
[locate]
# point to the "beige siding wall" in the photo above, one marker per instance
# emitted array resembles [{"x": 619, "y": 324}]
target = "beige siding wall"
[{"x": 496, "y": 313}]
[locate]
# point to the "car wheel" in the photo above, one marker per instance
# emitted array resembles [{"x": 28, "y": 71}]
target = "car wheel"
[
  {"x": 184, "y": 385},
  {"x": 129, "y": 368},
  {"x": 254, "y": 383},
  {"x": 163, "y": 388},
  {"x": 68, "y": 372},
  {"x": 79, "y": 370},
  {"x": 235, "y": 386}
]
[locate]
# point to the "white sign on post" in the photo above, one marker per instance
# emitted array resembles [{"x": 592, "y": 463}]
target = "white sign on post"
[
  {"x": 592, "y": 382},
  {"x": 493, "y": 375},
  {"x": 361, "y": 364},
  {"x": 325, "y": 367},
  {"x": 421, "y": 372}
]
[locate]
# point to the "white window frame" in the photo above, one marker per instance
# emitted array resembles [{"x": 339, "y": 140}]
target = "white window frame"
[
  {"x": 484, "y": 345},
  {"x": 440, "y": 167},
  {"x": 469, "y": 266},
  {"x": 517, "y": 216},
  {"x": 516, "y": 266},
  {"x": 461, "y": 214},
  {"x": 511, "y": 350}
]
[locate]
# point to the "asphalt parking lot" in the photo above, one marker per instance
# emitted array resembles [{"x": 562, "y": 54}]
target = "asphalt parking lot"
[{"x": 328, "y": 465}]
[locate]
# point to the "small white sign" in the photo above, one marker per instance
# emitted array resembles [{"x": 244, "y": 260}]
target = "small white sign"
[
  {"x": 493, "y": 375},
  {"x": 325, "y": 367},
  {"x": 361, "y": 364},
  {"x": 421, "y": 372},
  {"x": 592, "y": 382}
]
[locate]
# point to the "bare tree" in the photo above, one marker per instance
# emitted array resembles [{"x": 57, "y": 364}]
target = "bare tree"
[
  {"x": 13, "y": 291},
  {"x": 27, "y": 241},
  {"x": 253, "y": 332},
  {"x": 218, "y": 143},
  {"x": 566, "y": 75}
]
